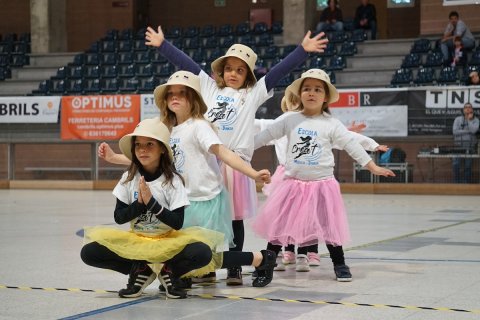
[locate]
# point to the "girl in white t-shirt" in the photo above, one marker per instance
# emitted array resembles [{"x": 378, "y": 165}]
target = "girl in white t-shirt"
[
  {"x": 307, "y": 207},
  {"x": 196, "y": 147},
  {"x": 233, "y": 97},
  {"x": 152, "y": 197},
  {"x": 307, "y": 256}
]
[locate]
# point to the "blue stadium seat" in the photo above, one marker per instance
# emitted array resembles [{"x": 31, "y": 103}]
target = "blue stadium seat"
[
  {"x": 92, "y": 86},
  {"x": 475, "y": 59},
  {"x": 178, "y": 43},
  {"x": 111, "y": 34},
  {"x": 140, "y": 34},
  {"x": 125, "y": 58},
  {"x": 109, "y": 71},
  {"x": 333, "y": 78},
  {"x": 108, "y": 46},
  {"x": 403, "y": 76},
  {"x": 337, "y": 63},
  {"x": 129, "y": 85},
  {"x": 208, "y": 31},
  {"x": 264, "y": 40},
  {"x": 211, "y": 42},
  {"x": 142, "y": 57},
  {"x": 109, "y": 58},
  {"x": 317, "y": 62},
  {"x": 92, "y": 58},
  {"x": 358, "y": 35},
  {"x": 157, "y": 58},
  {"x": 425, "y": 76},
  {"x": 145, "y": 70},
  {"x": 94, "y": 47},
  {"x": 242, "y": 29},
  {"x": 62, "y": 73},
  {"x": 76, "y": 87},
  {"x": 139, "y": 45},
  {"x": 92, "y": 72},
  {"x": 110, "y": 86},
  {"x": 349, "y": 48},
  {"x": 78, "y": 60},
  {"x": 448, "y": 75},
  {"x": 434, "y": 59},
  {"x": 271, "y": 52},
  {"x": 124, "y": 46},
  {"x": 247, "y": 39},
  {"x": 191, "y": 32},
  {"x": 412, "y": 60},
  {"x": 285, "y": 81},
  {"x": 192, "y": 43},
  {"x": 148, "y": 85},
  {"x": 286, "y": 50},
  {"x": 19, "y": 60},
  {"x": 276, "y": 28},
  {"x": 421, "y": 46},
  {"x": 330, "y": 50},
  {"x": 199, "y": 56},
  {"x": 227, "y": 41},
  {"x": 214, "y": 54},
  {"x": 59, "y": 86},
  {"x": 165, "y": 70},
  {"x": 225, "y": 30},
  {"x": 44, "y": 88},
  {"x": 127, "y": 71},
  {"x": 173, "y": 33},
  {"x": 337, "y": 36},
  {"x": 126, "y": 34},
  {"x": 260, "y": 28}
]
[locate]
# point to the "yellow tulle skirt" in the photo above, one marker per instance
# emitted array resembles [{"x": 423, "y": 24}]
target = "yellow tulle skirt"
[{"x": 158, "y": 249}]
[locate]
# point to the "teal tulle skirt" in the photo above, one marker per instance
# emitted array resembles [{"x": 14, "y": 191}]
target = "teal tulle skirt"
[{"x": 214, "y": 214}]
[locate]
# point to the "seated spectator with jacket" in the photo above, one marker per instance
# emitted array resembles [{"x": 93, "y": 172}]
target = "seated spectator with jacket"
[
  {"x": 366, "y": 17},
  {"x": 331, "y": 18}
]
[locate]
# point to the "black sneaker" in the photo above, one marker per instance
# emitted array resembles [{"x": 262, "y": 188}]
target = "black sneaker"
[
  {"x": 140, "y": 277},
  {"x": 182, "y": 283},
  {"x": 209, "y": 277},
  {"x": 265, "y": 269},
  {"x": 342, "y": 273},
  {"x": 234, "y": 276},
  {"x": 172, "y": 292}
]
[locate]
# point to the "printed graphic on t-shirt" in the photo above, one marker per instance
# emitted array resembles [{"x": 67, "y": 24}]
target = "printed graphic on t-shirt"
[
  {"x": 306, "y": 150},
  {"x": 224, "y": 114},
  {"x": 147, "y": 221},
  {"x": 178, "y": 154}
]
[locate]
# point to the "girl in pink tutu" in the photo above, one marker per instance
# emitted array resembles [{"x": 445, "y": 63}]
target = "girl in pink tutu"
[{"x": 306, "y": 207}]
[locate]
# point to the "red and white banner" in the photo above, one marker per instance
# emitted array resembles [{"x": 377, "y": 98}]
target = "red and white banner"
[{"x": 99, "y": 117}]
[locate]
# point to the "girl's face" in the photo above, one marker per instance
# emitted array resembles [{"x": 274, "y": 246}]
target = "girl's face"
[
  {"x": 148, "y": 152},
  {"x": 313, "y": 96},
  {"x": 177, "y": 101},
  {"x": 235, "y": 72}
]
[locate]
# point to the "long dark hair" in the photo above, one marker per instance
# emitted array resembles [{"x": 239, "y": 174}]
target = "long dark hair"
[{"x": 165, "y": 165}]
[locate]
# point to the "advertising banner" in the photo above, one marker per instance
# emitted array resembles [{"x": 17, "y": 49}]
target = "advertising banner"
[
  {"x": 99, "y": 117},
  {"x": 29, "y": 109}
]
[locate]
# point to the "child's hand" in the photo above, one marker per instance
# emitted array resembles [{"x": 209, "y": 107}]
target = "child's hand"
[
  {"x": 357, "y": 127},
  {"x": 153, "y": 38},
  {"x": 263, "y": 176},
  {"x": 381, "y": 171},
  {"x": 144, "y": 191},
  {"x": 105, "y": 152},
  {"x": 382, "y": 148},
  {"x": 315, "y": 44}
]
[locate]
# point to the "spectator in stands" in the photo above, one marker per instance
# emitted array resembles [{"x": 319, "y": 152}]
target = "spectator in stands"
[
  {"x": 473, "y": 79},
  {"x": 331, "y": 18},
  {"x": 455, "y": 27},
  {"x": 459, "y": 56},
  {"x": 366, "y": 17},
  {"x": 464, "y": 129}
]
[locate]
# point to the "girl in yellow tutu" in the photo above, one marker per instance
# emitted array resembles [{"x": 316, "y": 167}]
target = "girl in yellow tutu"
[{"x": 152, "y": 197}]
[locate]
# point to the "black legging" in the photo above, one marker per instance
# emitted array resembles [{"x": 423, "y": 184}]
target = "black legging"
[
  {"x": 336, "y": 252},
  {"x": 302, "y": 250},
  {"x": 193, "y": 256},
  {"x": 238, "y": 235}
]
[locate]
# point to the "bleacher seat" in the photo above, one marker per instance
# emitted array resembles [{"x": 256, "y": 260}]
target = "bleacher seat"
[
  {"x": 276, "y": 28},
  {"x": 421, "y": 46},
  {"x": 337, "y": 63},
  {"x": 358, "y": 35},
  {"x": 191, "y": 32},
  {"x": 211, "y": 42},
  {"x": 260, "y": 28},
  {"x": 425, "y": 76},
  {"x": 145, "y": 70},
  {"x": 330, "y": 50},
  {"x": 126, "y": 34},
  {"x": 271, "y": 52},
  {"x": 140, "y": 34},
  {"x": 192, "y": 43},
  {"x": 247, "y": 40},
  {"x": 109, "y": 86},
  {"x": 129, "y": 85},
  {"x": 20, "y": 48},
  {"x": 94, "y": 47},
  {"x": 208, "y": 31},
  {"x": 109, "y": 71},
  {"x": 286, "y": 50},
  {"x": 76, "y": 72},
  {"x": 139, "y": 45},
  {"x": 111, "y": 34},
  {"x": 19, "y": 60},
  {"x": 148, "y": 85},
  {"x": 402, "y": 76},
  {"x": 142, "y": 57},
  {"x": 108, "y": 46},
  {"x": 92, "y": 59},
  {"x": 44, "y": 88},
  {"x": 475, "y": 59},
  {"x": 59, "y": 86},
  {"x": 242, "y": 29},
  {"x": 178, "y": 43},
  {"x": 434, "y": 59},
  {"x": 125, "y": 58},
  {"x": 448, "y": 75},
  {"x": 331, "y": 74},
  {"x": 412, "y": 60},
  {"x": 109, "y": 58},
  {"x": 349, "y": 48},
  {"x": 165, "y": 70},
  {"x": 76, "y": 87},
  {"x": 62, "y": 73},
  {"x": 78, "y": 60},
  {"x": 124, "y": 45},
  {"x": 5, "y": 60},
  {"x": 264, "y": 40},
  {"x": 225, "y": 30},
  {"x": 127, "y": 71},
  {"x": 92, "y": 86},
  {"x": 227, "y": 41},
  {"x": 337, "y": 36},
  {"x": 199, "y": 56},
  {"x": 214, "y": 54},
  {"x": 173, "y": 33},
  {"x": 92, "y": 72},
  {"x": 285, "y": 81},
  {"x": 317, "y": 62},
  {"x": 157, "y": 58}
]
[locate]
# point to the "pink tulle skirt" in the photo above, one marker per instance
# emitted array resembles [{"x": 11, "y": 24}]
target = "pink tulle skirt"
[
  {"x": 242, "y": 191},
  {"x": 276, "y": 179},
  {"x": 303, "y": 213}
]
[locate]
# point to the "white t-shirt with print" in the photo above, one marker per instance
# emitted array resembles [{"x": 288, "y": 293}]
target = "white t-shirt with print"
[
  {"x": 233, "y": 112},
  {"x": 310, "y": 143},
  {"x": 169, "y": 195},
  {"x": 190, "y": 142}
]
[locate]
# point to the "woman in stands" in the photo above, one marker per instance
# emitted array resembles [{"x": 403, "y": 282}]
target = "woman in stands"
[
  {"x": 306, "y": 207},
  {"x": 233, "y": 98}
]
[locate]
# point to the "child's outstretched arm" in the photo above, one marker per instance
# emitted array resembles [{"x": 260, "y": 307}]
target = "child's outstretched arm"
[
  {"x": 295, "y": 58},
  {"x": 379, "y": 171},
  {"x": 175, "y": 56},
  {"x": 106, "y": 153},
  {"x": 234, "y": 161}
]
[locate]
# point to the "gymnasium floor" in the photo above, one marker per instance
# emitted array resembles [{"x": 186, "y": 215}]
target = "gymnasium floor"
[{"x": 412, "y": 257}]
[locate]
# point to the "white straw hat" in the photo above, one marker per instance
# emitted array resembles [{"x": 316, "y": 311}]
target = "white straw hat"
[
  {"x": 183, "y": 78},
  {"x": 241, "y": 52},
  {"x": 315, "y": 74},
  {"x": 151, "y": 128}
]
